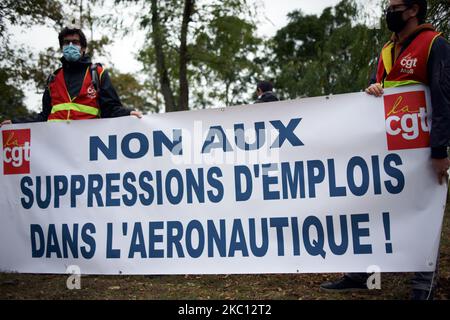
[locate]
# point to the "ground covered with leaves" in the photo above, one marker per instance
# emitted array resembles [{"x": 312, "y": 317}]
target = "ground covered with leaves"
[{"x": 286, "y": 286}]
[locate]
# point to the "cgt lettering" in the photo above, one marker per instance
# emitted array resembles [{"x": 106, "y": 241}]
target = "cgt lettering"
[
  {"x": 17, "y": 155},
  {"x": 409, "y": 125},
  {"x": 406, "y": 118},
  {"x": 16, "y": 151},
  {"x": 408, "y": 62}
]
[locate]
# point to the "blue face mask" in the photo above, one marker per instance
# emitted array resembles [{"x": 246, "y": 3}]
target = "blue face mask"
[{"x": 72, "y": 52}]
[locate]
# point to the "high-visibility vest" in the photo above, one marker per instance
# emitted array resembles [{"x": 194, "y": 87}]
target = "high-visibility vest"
[
  {"x": 83, "y": 106},
  {"x": 410, "y": 66}
]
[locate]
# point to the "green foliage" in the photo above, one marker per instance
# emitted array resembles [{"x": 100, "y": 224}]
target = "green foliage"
[
  {"x": 26, "y": 69},
  {"x": 11, "y": 98},
  {"x": 17, "y": 65},
  {"x": 333, "y": 52},
  {"x": 147, "y": 57},
  {"x": 222, "y": 50},
  {"x": 28, "y": 12},
  {"x": 225, "y": 50},
  {"x": 439, "y": 15},
  {"x": 327, "y": 54},
  {"x": 132, "y": 93}
]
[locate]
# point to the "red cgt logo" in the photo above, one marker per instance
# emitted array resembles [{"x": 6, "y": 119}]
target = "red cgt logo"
[
  {"x": 16, "y": 151},
  {"x": 406, "y": 120}
]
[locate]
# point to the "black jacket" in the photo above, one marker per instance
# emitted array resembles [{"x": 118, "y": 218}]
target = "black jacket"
[
  {"x": 438, "y": 71},
  {"x": 74, "y": 72},
  {"x": 439, "y": 81},
  {"x": 267, "y": 96}
]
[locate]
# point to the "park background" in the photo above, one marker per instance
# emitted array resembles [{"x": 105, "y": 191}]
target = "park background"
[{"x": 175, "y": 55}]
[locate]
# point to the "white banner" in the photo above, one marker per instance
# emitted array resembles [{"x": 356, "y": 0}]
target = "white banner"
[{"x": 326, "y": 184}]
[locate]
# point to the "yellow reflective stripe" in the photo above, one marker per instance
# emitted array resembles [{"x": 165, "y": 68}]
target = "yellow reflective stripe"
[
  {"x": 75, "y": 107},
  {"x": 392, "y": 84},
  {"x": 59, "y": 120},
  {"x": 386, "y": 54},
  {"x": 100, "y": 77}
]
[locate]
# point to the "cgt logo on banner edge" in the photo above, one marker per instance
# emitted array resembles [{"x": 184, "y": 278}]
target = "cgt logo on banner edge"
[
  {"x": 406, "y": 119},
  {"x": 16, "y": 151}
]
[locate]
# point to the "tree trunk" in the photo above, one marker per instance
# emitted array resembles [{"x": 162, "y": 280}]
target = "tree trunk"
[
  {"x": 227, "y": 89},
  {"x": 161, "y": 68},
  {"x": 183, "y": 103},
  {"x": 81, "y": 14}
]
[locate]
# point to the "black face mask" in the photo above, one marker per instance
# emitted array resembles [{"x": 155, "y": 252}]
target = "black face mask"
[{"x": 394, "y": 21}]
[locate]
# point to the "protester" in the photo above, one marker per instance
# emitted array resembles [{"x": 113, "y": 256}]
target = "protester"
[
  {"x": 78, "y": 90},
  {"x": 417, "y": 41},
  {"x": 265, "y": 93}
]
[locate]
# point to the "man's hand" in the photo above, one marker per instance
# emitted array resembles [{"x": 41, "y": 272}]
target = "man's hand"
[
  {"x": 375, "y": 90},
  {"x": 5, "y": 122},
  {"x": 440, "y": 167},
  {"x": 136, "y": 113}
]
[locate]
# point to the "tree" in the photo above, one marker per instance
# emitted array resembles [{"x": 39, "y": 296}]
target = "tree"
[
  {"x": 16, "y": 64},
  {"x": 439, "y": 15},
  {"x": 28, "y": 12},
  {"x": 183, "y": 102},
  {"x": 227, "y": 48},
  {"x": 132, "y": 93},
  {"x": 11, "y": 99},
  {"x": 197, "y": 45},
  {"x": 22, "y": 69},
  {"x": 157, "y": 36},
  {"x": 327, "y": 54}
]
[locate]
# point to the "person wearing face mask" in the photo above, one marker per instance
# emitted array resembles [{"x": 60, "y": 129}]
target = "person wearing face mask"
[
  {"x": 416, "y": 54},
  {"x": 79, "y": 90}
]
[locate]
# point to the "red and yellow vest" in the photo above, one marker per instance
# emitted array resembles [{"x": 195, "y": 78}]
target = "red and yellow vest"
[
  {"x": 410, "y": 66},
  {"x": 82, "y": 107}
]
